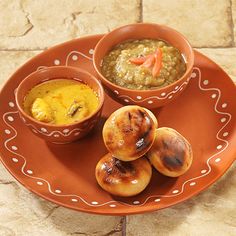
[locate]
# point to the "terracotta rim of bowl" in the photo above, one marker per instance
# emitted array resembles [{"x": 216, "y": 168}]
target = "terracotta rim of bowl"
[
  {"x": 101, "y": 98},
  {"x": 191, "y": 61}
]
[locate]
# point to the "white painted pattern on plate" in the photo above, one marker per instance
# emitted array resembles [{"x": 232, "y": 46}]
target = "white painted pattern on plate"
[
  {"x": 96, "y": 204},
  {"x": 163, "y": 95},
  {"x": 55, "y": 133},
  {"x": 77, "y": 54}
]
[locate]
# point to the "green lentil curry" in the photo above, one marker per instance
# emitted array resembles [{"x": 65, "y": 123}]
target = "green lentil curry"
[{"x": 118, "y": 66}]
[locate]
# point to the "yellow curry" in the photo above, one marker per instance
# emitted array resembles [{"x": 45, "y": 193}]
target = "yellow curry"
[{"x": 60, "y": 101}]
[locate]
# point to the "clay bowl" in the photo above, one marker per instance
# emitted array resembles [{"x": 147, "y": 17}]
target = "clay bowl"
[
  {"x": 59, "y": 133},
  {"x": 147, "y": 98}
]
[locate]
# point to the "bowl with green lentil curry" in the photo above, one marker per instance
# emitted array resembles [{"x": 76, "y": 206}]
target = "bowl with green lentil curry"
[{"x": 144, "y": 64}]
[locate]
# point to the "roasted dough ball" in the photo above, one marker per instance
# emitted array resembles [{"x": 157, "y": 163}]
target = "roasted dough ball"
[
  {"x": 123, "y": 178},
  {"x": 171, "y": 154},
  {"x": 129, "y": 132}
]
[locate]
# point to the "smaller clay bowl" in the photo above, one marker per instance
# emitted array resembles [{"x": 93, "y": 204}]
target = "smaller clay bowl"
[
  {"x": 147, "y": 98},
  {"x": 59, "y": 133}
]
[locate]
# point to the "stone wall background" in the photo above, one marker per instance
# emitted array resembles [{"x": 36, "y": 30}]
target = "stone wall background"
[{"x": 28, "y": 27}]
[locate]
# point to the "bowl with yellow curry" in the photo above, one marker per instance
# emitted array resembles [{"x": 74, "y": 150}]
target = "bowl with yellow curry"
[{"x": 60, "y": 104}]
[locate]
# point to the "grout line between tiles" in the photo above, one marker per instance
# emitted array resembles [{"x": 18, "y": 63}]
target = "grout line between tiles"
[
  {"x": 141, "y": 11},
  {"x": 124, "y": 226},
  {"x": 22, "y": 49},
  {"x": 232, "y": 23},
  {"x": 40, "y": 50}
]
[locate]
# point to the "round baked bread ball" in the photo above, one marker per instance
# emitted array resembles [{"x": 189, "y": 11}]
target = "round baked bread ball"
[
  {"x": 122, "y": 178},
  {"x": 129, "y": 132},
  {"x": 171, "y": 154}
]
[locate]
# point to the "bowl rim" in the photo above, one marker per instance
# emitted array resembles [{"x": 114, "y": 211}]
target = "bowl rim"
[
  {"x": 161, "y": 89},
  {"x": 48, "y": 125}
]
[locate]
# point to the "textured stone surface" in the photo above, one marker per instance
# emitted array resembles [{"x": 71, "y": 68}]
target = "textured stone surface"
[
  {"x": 38, "y": 25},
  {"x": 204, "y": 23},
  {"x": 234, "y": 18},
  {"x": 10, "y": 61},
  {"x": 225, "y": 57},
  {"x": 21, "y": 23},
  {"x": 32, "y": 25},
  {"x": 23, "y": 214},
  {"x": 212, "y": 212}
]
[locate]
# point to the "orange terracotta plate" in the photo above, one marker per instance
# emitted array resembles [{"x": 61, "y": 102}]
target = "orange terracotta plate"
[{"x": 64, "y": 174}]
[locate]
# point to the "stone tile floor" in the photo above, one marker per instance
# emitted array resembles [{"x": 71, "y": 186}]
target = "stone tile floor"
[{"x": 28, "y": 26}]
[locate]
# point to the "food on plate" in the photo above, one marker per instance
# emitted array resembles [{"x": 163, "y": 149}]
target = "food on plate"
[
  {"x": 129, "y": 132},
  {"x": 171, "y": 154},
  {"x": 143, "y": 64},
  {"x": 123, "y": 178},
  {"x": 60, "y": 101}
]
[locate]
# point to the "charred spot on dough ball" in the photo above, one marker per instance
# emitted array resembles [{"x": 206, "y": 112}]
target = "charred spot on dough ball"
[
  {"x": 129, "y": 115},
  {"x": 110, "y": 137},
  {"x": 116, "y": 170},
  {"x": 141, "y": 113},
  {"x": 123, "y": 166},
  {"x": 173, "y": 162},
  {"x": 115, "y": 165},
  {"x": 144, "y": 141}
]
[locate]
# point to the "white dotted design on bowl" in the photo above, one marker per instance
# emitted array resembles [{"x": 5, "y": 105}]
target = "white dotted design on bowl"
[
  {"x": 29, "y": 172},
  {"x": 43, "y": 130},
  {"x": 193, "y": 75},
  {"x": 126, "y": 100},
  {"x": 57, "y": 191},
  {"x": 11, "y": 104},
  {"x": 14, "y": 159},
  {"x": 135, "y": 181},
  {"x": 150, "y": 102},
  {"x": 170, "y": 97},
  {"x": 91, "y": 51},
  {"x": 157, "y": 200},
  {"x": 10, "y": 118},
  {"x": 7, "y": 131},
  {"x": 77, "y": 133},
  {"x": 116, "y": 92},
  {"x": 192, "y": 183},
  {"x": 65, "y": 131},
  {"x": 175, "y": 191},
  {"x": 219, "y": 147},
  {"x": 213, "y": 95},
  {"x": 112, "y": 205},
  {"x": 56, "y": 135},
  {"x": 57, "y": 62},
  {"x": 94, "y": 203},
  {"x": 223, "y": 119},
  {"x": 217, "y": 160},
  {"x": 224, "y": 105},
  {"x": 203, "y": 171},
  {"x": 163, "y": 94},
  {"x": 74, "y": 200},
  {"x": 39, "y": 183},
  {"x": 176, "y": 87},
  {"x": 139, "y": 97},
  {"x": 225, "y": 134},
  {"x": 74, "y": 57},
  {"x": 136, "y": 202},
  {"x": 206, "y": 82},
  {"x": 14, "y": 148}
]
